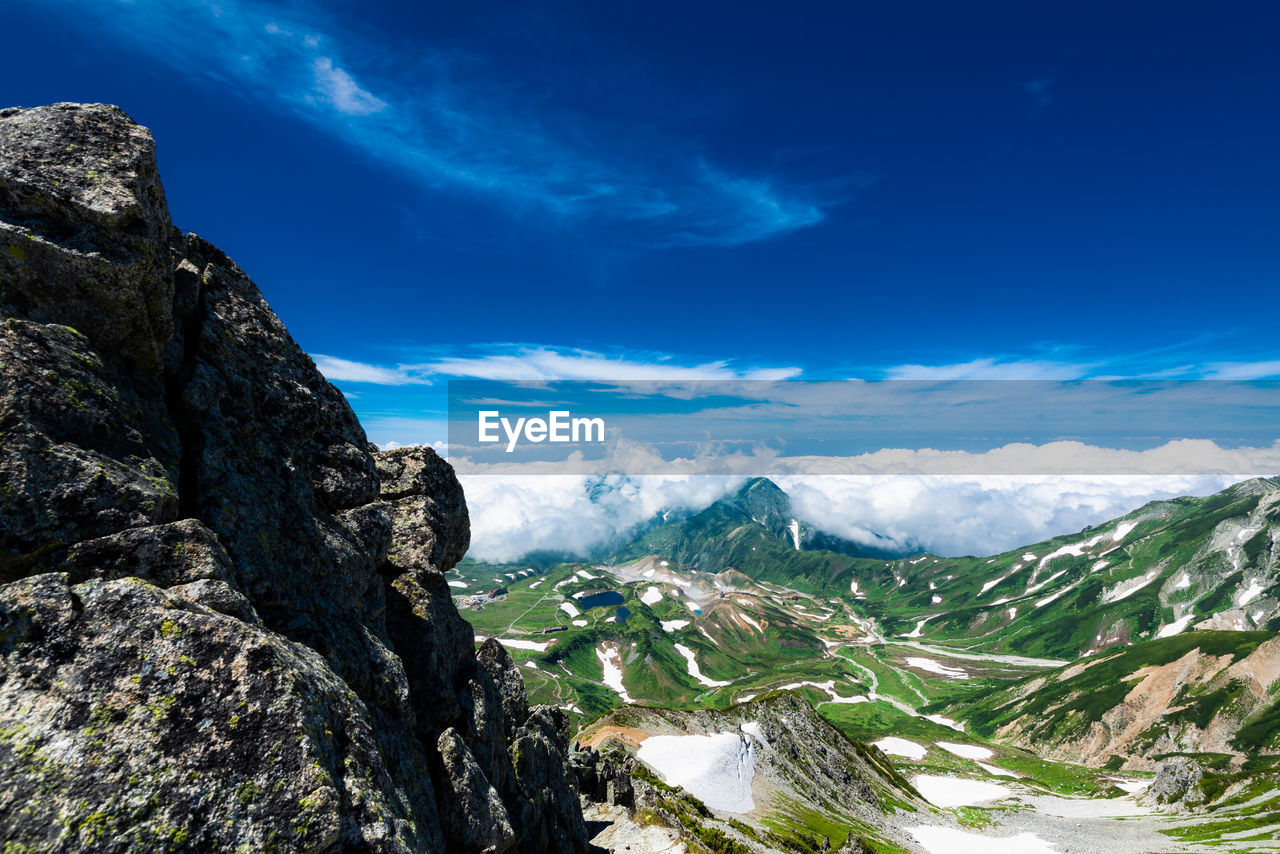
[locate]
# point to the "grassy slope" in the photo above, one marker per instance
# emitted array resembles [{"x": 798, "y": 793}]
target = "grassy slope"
[
  {"x": 1169, "y": 540},
  {"x": 1061, "y": 709}
]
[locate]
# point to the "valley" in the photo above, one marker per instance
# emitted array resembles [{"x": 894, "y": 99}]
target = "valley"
[{"x": 1037, "y": 692}]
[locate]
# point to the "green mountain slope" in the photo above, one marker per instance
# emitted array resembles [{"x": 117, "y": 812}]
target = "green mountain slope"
[
  {"x": 755, "y": 532},
  {"x": 1209, "y": 692},
  {"x": 1209, "y": 563}
]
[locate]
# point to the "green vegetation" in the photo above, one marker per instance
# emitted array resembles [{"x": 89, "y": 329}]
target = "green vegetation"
[
  {"x": 1244, "y": 803},
  {"x": 789, "y": 618},
  {"x": 1262, "y": 731},
  {"x": 1064, "y": 707}
]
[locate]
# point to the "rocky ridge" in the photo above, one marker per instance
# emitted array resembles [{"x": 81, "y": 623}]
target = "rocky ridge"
[
  {"x": 801, "y": 765},
  {"x": 223, "y": 620}
]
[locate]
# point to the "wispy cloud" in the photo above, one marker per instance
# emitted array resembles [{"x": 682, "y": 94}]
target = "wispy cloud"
[
  {"x": 547, "y": 363},
  {"x": 1243, "y": 371},
  {"x": 520, "y": 362},
  {"x": 742, "y": 210},
  {"x": 1150, "y": 365},
  {"x": 434, "y": 117},
  {"x": 992, "y": 368},
  {"x": 345, "y": 370},
  {"x": 341, "y": 90}
]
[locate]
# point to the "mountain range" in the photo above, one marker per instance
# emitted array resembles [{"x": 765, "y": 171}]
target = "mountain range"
[
  {"x": 1114, "y": 650},
  {"x": 228, "y": 623}
]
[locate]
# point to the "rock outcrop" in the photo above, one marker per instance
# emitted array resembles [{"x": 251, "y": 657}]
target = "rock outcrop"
[
  {"x": 1176, "y": 783},
  {"x": 798, "y": 762},
  {"x": 223, "y": 621}
]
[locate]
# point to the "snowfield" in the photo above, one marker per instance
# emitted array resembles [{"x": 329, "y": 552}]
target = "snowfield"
[
  {"x": 936, "y": 667},
  {"x": 651, "y": 596},
  {"x": 1249, "y": 593},
  {"x": 516, "y": 643},
  {"x": 999, "y": 772},
  {"x": 957, "y": 791},
  {"x": 993, "y": 582},
  {"x": 716, "y": 769},
  {"x": 915, "y": 633},
  {"x": 968, "y": 751},
  {"x": 694, "y": 670},
  {"x": 569, "y": 609},
  {"x": 1175, "y": 627},
  {"x": 895, "y": 746},
  {"x": 1125, "y": 589},
  {"x": 673, "y": 625},
  {"x": 1122, "y": 531},
  {"x": 828, "y": 687},
  {"x": 939, "y": 719},
  {"x": 611, "y": 661},
  {"x": 947, "y": 840}
]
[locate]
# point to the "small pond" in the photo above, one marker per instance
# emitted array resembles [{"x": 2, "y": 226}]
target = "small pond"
[
  {"x": 596, "y": 600},
  {"x": 623, "y": 613}
]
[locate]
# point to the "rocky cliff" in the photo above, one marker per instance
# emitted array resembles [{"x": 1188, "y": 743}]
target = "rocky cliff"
[{"x": 223, "y": 620}]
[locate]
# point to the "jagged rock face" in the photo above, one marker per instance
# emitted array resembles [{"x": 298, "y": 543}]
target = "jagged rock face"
[
  {"x": 1175, "y": 783},
  {"x": 224, "y": 624}
]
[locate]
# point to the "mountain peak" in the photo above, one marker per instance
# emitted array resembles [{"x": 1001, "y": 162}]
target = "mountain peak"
[
  {"x": 760, "y": 486},
  {"x": 1257, "y": 486},
  {"x": 762, "y": 496}
]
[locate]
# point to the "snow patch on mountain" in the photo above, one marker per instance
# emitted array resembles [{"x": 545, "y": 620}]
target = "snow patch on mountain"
[
  {"x": 694, "y": 670},
  {"x": 717, "y": 769}
]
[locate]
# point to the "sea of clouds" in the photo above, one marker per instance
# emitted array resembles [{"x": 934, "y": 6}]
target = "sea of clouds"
[{"x": 513, "y": 515}]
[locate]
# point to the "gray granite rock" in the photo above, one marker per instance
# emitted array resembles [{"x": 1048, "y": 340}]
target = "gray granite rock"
[{"x": 224, "y": 624}]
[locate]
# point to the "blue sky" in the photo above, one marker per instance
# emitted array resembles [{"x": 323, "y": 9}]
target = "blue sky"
[{"x": 633, "y": 191}]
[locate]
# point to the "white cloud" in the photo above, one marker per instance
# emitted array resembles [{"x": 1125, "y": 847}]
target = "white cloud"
[
  {"x": 341, "y": 90},
  {"x": 1181, "y": 457},
  {"x": 345, "y": 370},
  {"x": 1141, "y": 365},
  {"x": 454, "y": 123},
  {"x": 520, "y": 363},
  {"x": 752, "y": 209},
  {"x": 947, "y": 515},
  {"x": 993, "y": 369},
  {"x": 1242, "y": 371},
  {"x": 980, "y": 515},
  {"x": 512, "y": 516},
  {"x": 560, "y": 363},
  {"x": 390, "y": 430}
]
